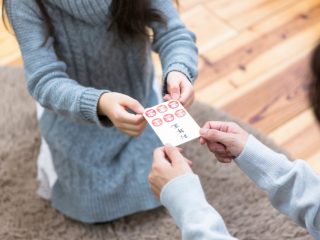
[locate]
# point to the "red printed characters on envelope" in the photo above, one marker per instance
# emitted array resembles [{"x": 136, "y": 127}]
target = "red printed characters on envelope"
[
  {"x": 151, "y": 113},
  {"x": 157, "y": 122},
  {"x": 162, "y": 108},
  {"x": 172, "y": 123},
  {"x": 173, "y": 104},
  {"x": 168, "y": 117},
  {"x": 180, "y": 113}
]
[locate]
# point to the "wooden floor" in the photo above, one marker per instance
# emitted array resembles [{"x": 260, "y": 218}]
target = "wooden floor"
[{"x": 254, "y": 58}]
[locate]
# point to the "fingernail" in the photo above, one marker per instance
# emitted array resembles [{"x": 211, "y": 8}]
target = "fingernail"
[{"x": 203, "y": 131}]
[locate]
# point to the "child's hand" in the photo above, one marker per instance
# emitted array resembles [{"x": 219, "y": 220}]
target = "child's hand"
[
  {"x": 114, "y": 106},
  {"x": 179, "y": 88},
  {"x": 168, "y": 163},
  {"x": 225, "y": 139}
]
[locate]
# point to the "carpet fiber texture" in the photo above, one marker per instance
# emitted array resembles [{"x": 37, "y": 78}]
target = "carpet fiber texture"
[{"x": 23, "y": 215}]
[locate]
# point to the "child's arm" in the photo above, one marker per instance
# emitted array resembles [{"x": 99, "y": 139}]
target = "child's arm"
[
  {"x": 51, "y": 86},
  {"x": 293, "y": 188},
  {"x": 46, "y": 75},
  {"x": 174, "y": 43}
]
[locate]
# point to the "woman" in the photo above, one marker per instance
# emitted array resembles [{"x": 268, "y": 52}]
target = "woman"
[
  {"x": 88, "y": 63},
  {"x": 293, "y": 187}
]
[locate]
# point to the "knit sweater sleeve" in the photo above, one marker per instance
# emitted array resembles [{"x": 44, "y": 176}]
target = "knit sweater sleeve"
[
  {"x": 293, "y": 188},
  {"x": 197, "y": 219},
  {"x": 174, "y": 42},
  {"x": 46, "y": 75}
]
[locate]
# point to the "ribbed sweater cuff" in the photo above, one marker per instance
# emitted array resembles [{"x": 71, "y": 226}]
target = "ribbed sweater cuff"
[
  {"x": 261, "y": 163},
  {"x": 88, "y": 107},
  {"x": 178, "y": 67},
  {"x": 182, "y": 194}
]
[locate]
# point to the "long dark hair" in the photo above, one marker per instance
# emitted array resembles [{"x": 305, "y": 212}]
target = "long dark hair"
[
  {"x": 315, "y": 84},
  {"x": 130, "y": 18}
]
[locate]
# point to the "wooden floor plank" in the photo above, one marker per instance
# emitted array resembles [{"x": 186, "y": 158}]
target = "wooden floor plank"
[
  {"x": 9, "y": 52},
  {"x": 262, "y": 28},
  {"x": 186, "y": 5},
  {"x": 214, "y": 91},
  {"x": 16, "y": 61},
  {"x": 211, "y": 68},
  {"x": 209, "y": 29},
  {"x": 278, "y": 100},
  {"x": 264, "y": 52},
  {"x": 292, "y": 127},
  {"x": 298, "y": 9},
  {"x": 314, "y": 161},
  {"x": 251, "y": 12},
  {"x": 228, "y": 9},
  {"x": 305, "y": 142},
  {"x": 262, "y": 78}
]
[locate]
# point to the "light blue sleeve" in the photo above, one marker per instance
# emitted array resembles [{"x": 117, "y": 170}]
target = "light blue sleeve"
[
  {"x": 46, "y": 75},
  {"x": 174, "y": 42},
  {"x": 185, "y": 200},
  {"x": 293, "y": 187}
]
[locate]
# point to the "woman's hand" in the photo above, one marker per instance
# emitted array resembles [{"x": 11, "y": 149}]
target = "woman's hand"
[
  {"x": 225, "y": 139},
  {"x": 179, "y": 88},
  {"x": 168, "y": 163},
  {"x": 115, "y": 105}
]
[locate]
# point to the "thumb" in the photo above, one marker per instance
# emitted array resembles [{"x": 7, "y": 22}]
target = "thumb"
[
  {"x": 174, "y": 155},
  {"x": 133, "y": 104},
  {"x": 159, "y": 156},
  {"x": 214, "y": 135},
  {"x": 174, "y": 89}
]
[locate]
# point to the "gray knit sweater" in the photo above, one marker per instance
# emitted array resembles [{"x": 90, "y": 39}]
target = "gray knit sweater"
[{"x": 102, "y": 173}]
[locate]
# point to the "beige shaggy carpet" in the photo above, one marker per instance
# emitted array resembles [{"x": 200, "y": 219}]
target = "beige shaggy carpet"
[{"x": 23, "y": 215}]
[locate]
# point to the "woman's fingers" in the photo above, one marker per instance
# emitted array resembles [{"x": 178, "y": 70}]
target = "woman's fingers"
[
  {"x": 217, "y": 147},
  {"x": 206, "y": 125},
  {"x": 217, "y": 125},
  {"x": 155, "y": 190},
  {"x": 202, "y": 140},
  {"x": 159, "y": 154},
  {"x": 174, "y": 155},
  {"x": 216, "y": 136},
  {"x": 223, "y": 158}
]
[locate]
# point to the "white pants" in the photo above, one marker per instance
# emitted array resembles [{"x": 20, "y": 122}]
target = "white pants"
[{"x": 46, "y": 174}]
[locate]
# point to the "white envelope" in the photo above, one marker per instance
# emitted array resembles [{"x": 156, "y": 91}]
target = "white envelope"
[{"x": 172, "y": 123}]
